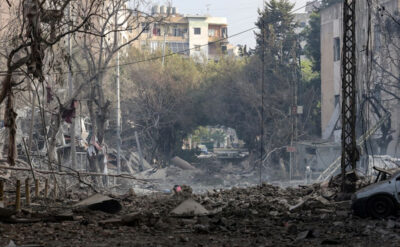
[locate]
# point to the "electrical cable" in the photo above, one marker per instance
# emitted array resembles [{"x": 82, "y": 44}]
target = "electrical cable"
[{"x": 167, "y": 55}]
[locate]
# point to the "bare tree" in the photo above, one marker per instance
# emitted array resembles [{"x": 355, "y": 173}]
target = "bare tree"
[
  {"x": 115, "y": 27},
  {"x": 382, "y": 84},
  {"x": 41, "y": 24}
]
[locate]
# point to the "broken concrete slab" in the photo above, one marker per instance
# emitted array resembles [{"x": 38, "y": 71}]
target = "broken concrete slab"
[
  {"x": 305, "y": 234},
  {"x": 183, "y": 164},
  {"x": 297, "y": 206},
  {"x": 12, "y": 244},
  {"x": 6, "y": 213},
  {"x": 189, "y": 207},
  {"x": 99, "y": 202},
  {"x": 322, "y": 200}
]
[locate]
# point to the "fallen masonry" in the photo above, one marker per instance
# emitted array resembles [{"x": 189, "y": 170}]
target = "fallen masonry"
[{"x": 263, "y": 215}]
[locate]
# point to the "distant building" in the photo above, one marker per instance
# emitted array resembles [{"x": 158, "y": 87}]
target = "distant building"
[
  {"x": 302, "y": 19},
  {"x": 193, "y": 35}
]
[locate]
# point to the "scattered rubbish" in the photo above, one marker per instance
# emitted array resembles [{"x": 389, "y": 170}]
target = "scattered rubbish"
[{"x": 177, "y": 189}]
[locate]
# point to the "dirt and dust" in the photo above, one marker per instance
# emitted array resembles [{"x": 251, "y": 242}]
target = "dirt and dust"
[{"x": 257, "y": 216}]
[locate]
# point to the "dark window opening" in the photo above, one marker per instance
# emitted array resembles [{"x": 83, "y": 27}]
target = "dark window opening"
[
  {"x": 145, "y": 27},
  {"x": 337, "y": 98},
  {"x": 224, "y": 49},
  {"x": 311, "y": 150},
  {"x": 197, "y": 31},
  {"x": 336, "y": 49}
]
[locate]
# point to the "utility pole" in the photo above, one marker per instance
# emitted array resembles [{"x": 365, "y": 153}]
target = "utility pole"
[
  {"x": 163, "y": 50},
  {"x": 70, "y": 93},
  {"x": 294, "y": 111},
  {"x": 118, "y": 102},
  {"x": 262, "y": 96},
  {"x": 349, "y": 148}
]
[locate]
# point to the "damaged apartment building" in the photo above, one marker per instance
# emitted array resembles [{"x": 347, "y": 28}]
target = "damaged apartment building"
[
  {"x": 377, "y": 86},
  {"x": 201, "y": 36}
]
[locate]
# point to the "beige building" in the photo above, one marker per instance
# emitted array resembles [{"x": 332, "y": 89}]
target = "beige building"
[
  {"x": 195, "y": 35},
  {"x": 331, "y": 32}
]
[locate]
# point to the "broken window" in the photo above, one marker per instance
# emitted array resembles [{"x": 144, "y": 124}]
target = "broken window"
[
  {"x": 145, "y": 27},
  {"x": 156, "y": 31},
  {"x": 197, "y": 47},
  {"x": 311, "y": 150},
  {"x": 224, "y": 33},
  {"x": 224, "y": 49},
  {"x": 337, "y": 98},
  {"x": 211, "y": 32},
  {"x": 336, "y": 49}
]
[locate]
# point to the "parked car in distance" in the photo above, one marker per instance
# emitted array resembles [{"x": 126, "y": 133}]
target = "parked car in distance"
[{"x": 378, "y": 200}]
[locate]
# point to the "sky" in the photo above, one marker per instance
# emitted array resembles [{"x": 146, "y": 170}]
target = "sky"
[{"x": 241, "y": 14}]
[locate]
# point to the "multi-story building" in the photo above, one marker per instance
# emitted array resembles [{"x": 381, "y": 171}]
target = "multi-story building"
[
  {"x": 331, "y": 33},
  {"x": 370, "y": 57},
  {"x": 195, "y": 35}
]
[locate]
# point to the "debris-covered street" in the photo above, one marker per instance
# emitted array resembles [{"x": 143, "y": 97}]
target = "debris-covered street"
[
  {"x": 199, "y": 123},
  {"x": 257, "y": 216}
]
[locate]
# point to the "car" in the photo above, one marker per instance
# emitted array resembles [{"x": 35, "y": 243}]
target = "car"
[{"x": 378, "y": 200}]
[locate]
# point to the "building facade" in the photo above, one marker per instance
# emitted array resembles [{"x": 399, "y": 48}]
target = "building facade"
[
  {"x": 376, "y": 91},
  {"x": 202, "y": 37}
]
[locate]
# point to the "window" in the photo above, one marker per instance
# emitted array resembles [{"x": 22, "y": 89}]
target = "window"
[
  {"x": 311, "y": 150},
  {"x": 336, "y": 49},
  {"x": 155, "y": 45},
  {"x": 197, "y": 31},
  {"x": 377, "y": 38},
  {"x": 176, "y": 32},
  {"x": 224, "y": 49},
  {"x": 211, "y": 32},
  {"x": 156, "y": 31},
  {"x": 145, "y": 27},
  {"x": 224, "y": 33},
  {"x": 337, "y": 98},
  {"x": 197, "y": 47},
  {"x": 178, "y": 47}
]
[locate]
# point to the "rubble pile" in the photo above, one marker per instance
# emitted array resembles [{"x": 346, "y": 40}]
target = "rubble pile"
[{"x": 263, "y": 215}]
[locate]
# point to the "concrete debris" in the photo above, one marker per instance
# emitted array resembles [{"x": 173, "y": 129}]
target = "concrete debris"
[
  {"x": 304, "y": 235},
  {"x": 12, "y": 244},
  {"x": 189, "y": 207},
  {"x": 182, "y": 163},
  {"x": 263, "y": 215},
  {"x": 101, "y": 203},
  {"x": 6, "y": 213}
]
